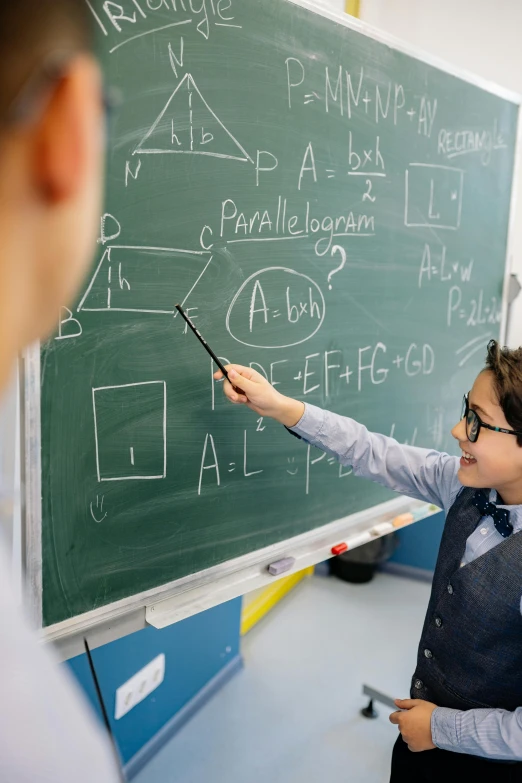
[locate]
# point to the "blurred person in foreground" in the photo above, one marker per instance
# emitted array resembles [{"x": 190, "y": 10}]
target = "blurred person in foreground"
[{"x": 51, "y": 169}]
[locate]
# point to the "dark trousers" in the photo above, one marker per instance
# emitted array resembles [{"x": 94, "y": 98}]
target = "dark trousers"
[{"x": 444, "y": 766}]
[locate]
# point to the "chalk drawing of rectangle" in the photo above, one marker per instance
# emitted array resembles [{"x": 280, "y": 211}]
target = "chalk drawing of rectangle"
[
  {"x": 130, "y": 431},
  {"x": 433, "y": 196}
]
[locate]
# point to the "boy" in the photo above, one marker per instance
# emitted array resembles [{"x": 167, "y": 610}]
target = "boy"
[
  {"x": 51, "y": 148},
  {"x": 467, "y": 687}
]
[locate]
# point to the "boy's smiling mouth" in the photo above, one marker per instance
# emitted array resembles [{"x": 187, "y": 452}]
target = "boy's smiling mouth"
[{"x": 467, "y": 459}]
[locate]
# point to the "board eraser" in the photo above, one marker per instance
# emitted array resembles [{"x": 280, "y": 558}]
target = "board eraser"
[{"x": 280, "y": 566}]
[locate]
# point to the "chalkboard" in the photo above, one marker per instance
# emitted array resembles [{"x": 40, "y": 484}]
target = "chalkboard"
[{"x": 327, "y": 208}]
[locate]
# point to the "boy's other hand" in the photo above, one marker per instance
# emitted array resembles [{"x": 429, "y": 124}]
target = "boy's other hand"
[
  {"x": 250, "y": 388},
  {"x": 414, "y": 723}
]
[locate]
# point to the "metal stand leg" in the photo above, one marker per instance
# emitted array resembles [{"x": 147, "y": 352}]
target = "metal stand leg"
[{"x": 370, "y": 711}]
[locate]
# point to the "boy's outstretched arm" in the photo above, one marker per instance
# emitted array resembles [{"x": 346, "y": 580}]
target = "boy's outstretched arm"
[{"x": 424, "y": 474}]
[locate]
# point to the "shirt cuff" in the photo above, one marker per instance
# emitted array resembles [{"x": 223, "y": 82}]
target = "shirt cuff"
[
  {"x": 444, "y": 728},
  {"x": 311, "y": 423}
]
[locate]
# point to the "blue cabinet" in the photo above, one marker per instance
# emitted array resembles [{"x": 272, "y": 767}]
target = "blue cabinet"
[
  {"x": 201, "y": 653},
  {"x": 419, "y": 543}
]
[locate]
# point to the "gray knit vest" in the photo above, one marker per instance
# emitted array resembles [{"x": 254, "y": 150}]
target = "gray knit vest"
[{"x": 470, "y": 652}]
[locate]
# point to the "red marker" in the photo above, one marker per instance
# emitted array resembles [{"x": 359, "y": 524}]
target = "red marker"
[{"x": 339, "y": 549}]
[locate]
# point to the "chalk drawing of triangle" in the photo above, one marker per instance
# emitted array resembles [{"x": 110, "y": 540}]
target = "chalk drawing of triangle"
[
  {"x": 187, "y": 125},
  {"x": 97, "y": 293}
]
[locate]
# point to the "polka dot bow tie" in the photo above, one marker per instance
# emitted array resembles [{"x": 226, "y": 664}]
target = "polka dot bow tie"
[{"x": 500, "y": 516}]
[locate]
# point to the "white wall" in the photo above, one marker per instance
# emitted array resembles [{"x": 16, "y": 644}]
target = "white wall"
[{"x": 479, "y": 36}]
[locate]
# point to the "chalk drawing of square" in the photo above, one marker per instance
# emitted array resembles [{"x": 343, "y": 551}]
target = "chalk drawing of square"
[
  {"x": 130, "y": 430},
  {"x": 433, "y": 196}
]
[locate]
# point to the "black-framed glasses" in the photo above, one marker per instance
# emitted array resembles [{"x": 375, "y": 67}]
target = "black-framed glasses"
[{"x": 474, "y": 423}]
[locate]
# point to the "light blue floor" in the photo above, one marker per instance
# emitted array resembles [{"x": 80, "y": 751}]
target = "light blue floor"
[{"x": 292, "y": 716}]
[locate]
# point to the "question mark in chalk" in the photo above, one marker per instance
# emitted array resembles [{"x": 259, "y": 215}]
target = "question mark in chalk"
[{"x": 342, "y": 251}]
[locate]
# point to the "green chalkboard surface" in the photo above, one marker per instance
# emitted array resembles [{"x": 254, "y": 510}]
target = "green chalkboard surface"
[{"x": 327, "y": 208}]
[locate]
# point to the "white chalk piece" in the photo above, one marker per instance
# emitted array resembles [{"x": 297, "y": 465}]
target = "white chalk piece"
[
  {"x": 280, "y": 566},
  {"x": 359, "y": 540},
  {"x": 381, "y": 529}
]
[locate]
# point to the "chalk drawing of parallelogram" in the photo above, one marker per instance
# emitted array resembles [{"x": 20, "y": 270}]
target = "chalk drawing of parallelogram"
[
  {"x": 139, "y": 279},
  {"x": 187, "y": 125}
]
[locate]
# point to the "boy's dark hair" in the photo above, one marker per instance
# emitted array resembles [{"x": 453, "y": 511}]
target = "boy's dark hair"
[
  {"x": 30, "y": 31},
  {"x": 506, "y": 366}
]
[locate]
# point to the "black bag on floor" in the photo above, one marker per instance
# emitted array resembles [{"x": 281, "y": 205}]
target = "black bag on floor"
[{"x": 358, "y": 565}]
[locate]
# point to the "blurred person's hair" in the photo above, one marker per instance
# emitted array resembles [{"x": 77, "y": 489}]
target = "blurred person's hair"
[{"x": 34, "y": 36}]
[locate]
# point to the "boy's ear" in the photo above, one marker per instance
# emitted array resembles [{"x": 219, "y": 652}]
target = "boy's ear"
[{"x": 63, "y": 136}]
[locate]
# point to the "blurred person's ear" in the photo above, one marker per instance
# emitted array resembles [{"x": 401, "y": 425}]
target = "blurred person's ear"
[
  {"x": 51, "y": 167},
  {"x": 65, "y": 133}
]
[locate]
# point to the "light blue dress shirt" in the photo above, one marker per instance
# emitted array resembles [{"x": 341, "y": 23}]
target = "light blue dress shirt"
[{"x": 424, "y": 474}]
